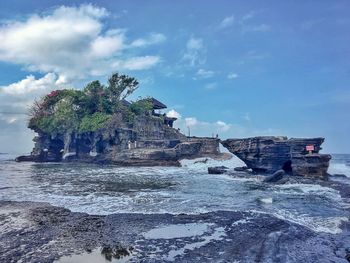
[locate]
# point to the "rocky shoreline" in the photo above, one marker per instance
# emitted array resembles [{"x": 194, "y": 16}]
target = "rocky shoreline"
[{"x": 39, "y": 232}]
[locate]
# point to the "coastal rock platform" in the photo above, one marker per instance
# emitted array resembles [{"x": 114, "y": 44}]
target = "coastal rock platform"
[{"x": 39, "y": 232}]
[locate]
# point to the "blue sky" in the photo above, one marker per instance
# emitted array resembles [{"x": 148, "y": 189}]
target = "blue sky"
[{"x": 236, "y": 68}]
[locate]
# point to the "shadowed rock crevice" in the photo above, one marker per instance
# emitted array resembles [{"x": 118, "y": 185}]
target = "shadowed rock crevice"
[{"x": 287, "y": 167}]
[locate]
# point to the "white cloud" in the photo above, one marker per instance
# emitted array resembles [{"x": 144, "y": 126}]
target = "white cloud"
[
  {"x": 138, "y": 63},
  {"x": 173, "y": 114},
  {"x": 249, "y": 15},
  {"x": 154, "y": 38},
  {"x": 194, "y": 43},
  {"x": 12, "y": 120},
  {"x": 203, "y": 128},
  {"x": 17, "y": 97},
  {"x": 202, "y": 73},
  {"x": 195, "y": 52},
  {"x": 191, "y": 121},
  {"x": 244, "y": 23},
  {"x": 255, "y": 55},
  {"x": 149, "y": 80},
  {"x": 256, "y": 28},
  {"x": 198, "y": 127},
  {"x": 232, "y": 76},
  {"x": 106, "y": 46},
  {"x": 211, "y": 86},
  {"x": 246, "y": 116},
  {"x": 30, "y": 85},
  {"x": 227, "y": 22},
  {"x": 71, "y": 42},
  {"x": 15, "y": 137},
  {"x": 223, "y": 126},
  {"x": 8, "y": 119}
]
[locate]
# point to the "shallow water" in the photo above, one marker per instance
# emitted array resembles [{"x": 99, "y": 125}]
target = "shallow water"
[
  {"x": 94, "y": 256},
  {"x": 176, "y": 231},
  {"x": 207, "y": 233},
  {"x": 189, "y": 189}
]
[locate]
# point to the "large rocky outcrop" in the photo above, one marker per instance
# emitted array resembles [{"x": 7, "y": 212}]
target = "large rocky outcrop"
[
  {"x": 267, "y": 154},
  {"x": 146, "y": 141}
]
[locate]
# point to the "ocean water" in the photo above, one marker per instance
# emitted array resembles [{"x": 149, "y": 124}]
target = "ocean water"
[
  {"x": 96, "y": 189},
  {"x": 340, "y": 164}
]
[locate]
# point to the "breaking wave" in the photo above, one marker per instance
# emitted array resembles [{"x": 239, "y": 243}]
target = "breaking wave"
[{"x": 339, "y": 168}]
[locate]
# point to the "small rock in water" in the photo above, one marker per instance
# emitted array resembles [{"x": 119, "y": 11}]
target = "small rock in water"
[
  {"x": 339, "y": 175},
  {"x": 275, "y": 177},
  {"x": 217, "y": 170},
  {"x": 241, "y": 169}
]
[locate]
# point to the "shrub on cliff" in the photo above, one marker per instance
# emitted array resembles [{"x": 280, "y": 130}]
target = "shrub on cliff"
[
  {"x": 94, "y": 122},
  {"x": 64, "y": 117},
  {"x": 89, "y": 109},
  {"x": 142, "y": 106}
]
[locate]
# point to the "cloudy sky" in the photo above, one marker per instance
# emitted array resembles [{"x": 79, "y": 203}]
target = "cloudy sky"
[{"x": 233, "y": 68}]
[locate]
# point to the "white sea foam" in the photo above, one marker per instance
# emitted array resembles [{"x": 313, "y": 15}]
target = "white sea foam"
[
  {"x": 266, "y": 200},
  {"x": 241, "y": 221},
  {"x": 318, "y": 224},
  {"x": 329, "y": 225},
  {"x": 308, "y": 189},
  {"x": 339, "y": 168},
  {"x": 202, "y": 164}
]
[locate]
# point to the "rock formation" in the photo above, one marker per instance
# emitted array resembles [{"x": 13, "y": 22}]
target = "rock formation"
[
  {"x": 98, "y": 124},
  {"x": 145, "y": 141},
  {"x": 268, "y": 154}
]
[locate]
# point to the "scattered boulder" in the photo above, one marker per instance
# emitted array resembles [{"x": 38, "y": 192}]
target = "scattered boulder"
[
  {"x": 339, "y": 175},
  {"x": 241, "y": 169},
  {"x": 275, "y": 177},
  {"x": 217, "y": 170},
  {"x": 25, "y": 158}
]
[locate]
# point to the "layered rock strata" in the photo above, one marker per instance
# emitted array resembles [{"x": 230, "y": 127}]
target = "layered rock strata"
[
  {"x": 147, "y": 141},
  {"x": 268, "y": 154}
]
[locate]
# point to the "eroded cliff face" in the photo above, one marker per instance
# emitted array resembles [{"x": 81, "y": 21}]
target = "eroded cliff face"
[
  {"x": 146, "y": 141},
  {"x": 268, "y": 154}
]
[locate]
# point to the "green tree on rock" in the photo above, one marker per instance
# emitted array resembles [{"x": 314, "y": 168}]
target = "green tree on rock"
[
  {"x": 70, "y": 110},
  {"x": 120, "y": 87}
]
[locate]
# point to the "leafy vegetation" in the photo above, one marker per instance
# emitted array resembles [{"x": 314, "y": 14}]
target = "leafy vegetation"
[
  {"x": 141, "y": 107},
  {"x": 94, "y": 122},
  {"x": 89, "y": 109}
]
